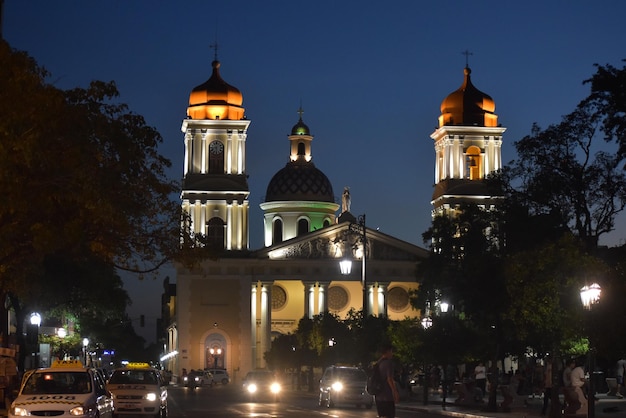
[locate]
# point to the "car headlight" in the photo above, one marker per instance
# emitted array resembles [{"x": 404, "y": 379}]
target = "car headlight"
[
  {"x": 337, "y": 386},
  {"x": 78, "y": 410},
  {"x": 275, "y": 387},
  {"x": 19, "y": 411},
  {"x": 151, "y": 397},
  {"x": 252, "y": 388},
  {"x": 185, "y": 379},
  {"x": 197, "y": 379}
]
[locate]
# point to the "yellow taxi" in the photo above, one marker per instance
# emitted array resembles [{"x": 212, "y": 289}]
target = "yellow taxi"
[
  {"x": 138, "y": 389},
  {"x": 67, "y": 389}
]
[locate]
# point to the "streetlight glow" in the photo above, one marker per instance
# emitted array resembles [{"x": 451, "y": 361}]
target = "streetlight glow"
[
  {"x": 590, "y": 295},
  {"x": 35, "y": 319}
]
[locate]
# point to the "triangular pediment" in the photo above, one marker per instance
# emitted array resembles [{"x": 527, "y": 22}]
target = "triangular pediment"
[{"x": 341, "y": 240}]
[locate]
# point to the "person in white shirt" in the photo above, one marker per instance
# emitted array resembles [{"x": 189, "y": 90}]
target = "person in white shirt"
[{"x": 577, "y": 383}]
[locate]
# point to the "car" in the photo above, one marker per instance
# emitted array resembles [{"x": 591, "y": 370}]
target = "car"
[
  {"x": 344, "y": 385},
  {"x": 198, "y": 378},
  {"x": 66, "y": 389},
  {"x": 262, "y": 383},
  {"x": 219, "y": 376},
  {"x": 138, "y": 389}
]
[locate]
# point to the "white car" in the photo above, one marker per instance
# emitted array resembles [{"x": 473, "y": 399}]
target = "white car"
[
  {"x": 219, "y": 376},
  {"x": 67, "y": 389},
  {"x": 138, "y": 389}
]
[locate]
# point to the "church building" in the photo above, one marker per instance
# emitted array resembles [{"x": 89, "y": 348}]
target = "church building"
[{"x": 229, "y": 309}]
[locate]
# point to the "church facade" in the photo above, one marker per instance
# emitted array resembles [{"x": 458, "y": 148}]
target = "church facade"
[{"x": 229, "y": 309}]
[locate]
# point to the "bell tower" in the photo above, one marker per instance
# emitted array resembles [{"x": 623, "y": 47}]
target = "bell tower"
[
  {"x": 468, "y": 145},
  {"x": 215, "y": 187}
]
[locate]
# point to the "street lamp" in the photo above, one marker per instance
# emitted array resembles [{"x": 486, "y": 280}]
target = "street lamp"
[
  {"x": 85, "y": 344},
  {"x": 589, "y": 296},
  {"x": 215, "y": 352},
  {"x": 345, "y": 265},
  {"x": 33, "y": 333}
]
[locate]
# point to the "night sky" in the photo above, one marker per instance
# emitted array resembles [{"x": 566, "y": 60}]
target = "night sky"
[{"x": 370, "y": 77}]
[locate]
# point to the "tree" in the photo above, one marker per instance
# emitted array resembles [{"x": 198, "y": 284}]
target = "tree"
[
  {"x": 83, "y": 186},
  {"x": 608, "y": 97},
  {"x": 562, "y": 171}
]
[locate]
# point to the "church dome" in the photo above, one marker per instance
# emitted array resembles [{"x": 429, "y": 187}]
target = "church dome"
[
  {"x": 468, "y": 106},
  {"x": 215, "y": 99},
  {"x": 300, "y": 181},
  {"x": 300, "y": 128}
]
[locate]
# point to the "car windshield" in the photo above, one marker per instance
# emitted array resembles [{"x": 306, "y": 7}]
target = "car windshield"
[
  {"x": 136, "y": 377},
  {"x": 57, "y": 383},
  {"x": 350, "y": 374},
  {"x": 259, "y": 376}
]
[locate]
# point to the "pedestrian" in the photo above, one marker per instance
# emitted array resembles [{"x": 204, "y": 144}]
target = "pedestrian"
[
  {"x": 387, "y": 398},
  {"x": 619, "y": 376},
  {"x": 567, "y": 373},
  {"x": 480, "y": 377},
  {"x": 577, "y": 379},
  {"x": 547, "y": 383}
]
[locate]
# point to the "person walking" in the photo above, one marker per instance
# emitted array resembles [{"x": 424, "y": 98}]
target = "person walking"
[
  {"x": 480, "y": 377},
  {"x": 387, "y": 398},
  {"x": 619, "y": 376},
  {"x": 577, "y": 379},
  {"x": 547, "y": 383}
]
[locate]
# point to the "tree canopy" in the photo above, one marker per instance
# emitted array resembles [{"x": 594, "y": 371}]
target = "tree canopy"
[{"x": 85, "y": 193}]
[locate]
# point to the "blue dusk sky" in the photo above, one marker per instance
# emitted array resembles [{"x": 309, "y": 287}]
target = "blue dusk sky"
[{"x": 370, "y": 77}]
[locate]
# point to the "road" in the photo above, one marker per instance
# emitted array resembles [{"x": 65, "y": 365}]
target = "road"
[{"x": 229, "y": 401}]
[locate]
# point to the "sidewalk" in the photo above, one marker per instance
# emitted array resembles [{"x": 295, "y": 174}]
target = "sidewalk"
[{"x": 605, "y": 407}]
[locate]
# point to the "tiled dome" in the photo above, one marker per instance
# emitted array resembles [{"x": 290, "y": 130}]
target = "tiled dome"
[{"x": 300, "y": 180}]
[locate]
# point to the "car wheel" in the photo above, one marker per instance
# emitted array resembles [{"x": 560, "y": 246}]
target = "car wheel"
[{"x": 224, "y": 381}]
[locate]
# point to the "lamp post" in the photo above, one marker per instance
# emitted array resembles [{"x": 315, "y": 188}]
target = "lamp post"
[
  {"x": 85, "y": 344},
  {"x": 215, "y": 352},
  {"x": 35, "y": 322},
  {"x": 345, "y": 265},
  {"x": 589, "y": 296}
]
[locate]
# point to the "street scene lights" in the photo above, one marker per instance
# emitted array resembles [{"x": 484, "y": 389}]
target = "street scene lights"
[
  {"x": 345, "y": 265},
  {"x": 33, "y": 337},
  {"x": 85, "y": 344},
  {"x": 216, "y": 353},
  {"x": 589, "y": 296}
]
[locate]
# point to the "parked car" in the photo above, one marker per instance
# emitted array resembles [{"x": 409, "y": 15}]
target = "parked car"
[
  {"x": 344, "y": 385},
  {"x": 219, "y": 376}
]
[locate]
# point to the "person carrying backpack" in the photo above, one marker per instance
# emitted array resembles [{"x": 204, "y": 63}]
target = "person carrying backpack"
[{"x": 387, "y": 396}]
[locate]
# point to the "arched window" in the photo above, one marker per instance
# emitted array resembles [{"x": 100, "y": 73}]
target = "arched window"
[
  {"x": 215, "y": 233},
  {"x": 216, "y": 157},
  {"x": 300, "y": 148},
  {"x": 277, "y": 231},
  {"x": 326, "y": 222},
  {"x": 303, "y": 227},
  {"x": 473, "y": 163}
]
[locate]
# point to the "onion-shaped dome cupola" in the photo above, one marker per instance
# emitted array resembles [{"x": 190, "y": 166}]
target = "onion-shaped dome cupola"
[
  {"x": 300, "y": 180},
  {"x": 300, "y": 128},
  {"x": 215, "y": 99},
  {"x": 468, "y": 106}
]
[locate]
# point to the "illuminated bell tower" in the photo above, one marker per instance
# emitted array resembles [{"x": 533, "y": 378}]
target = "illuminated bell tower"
[
  {"x": 215, "y": 187},
  {"x": 468, "y": 145}
]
